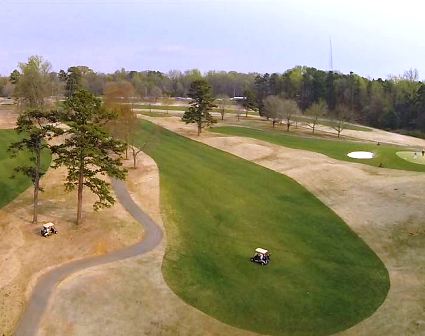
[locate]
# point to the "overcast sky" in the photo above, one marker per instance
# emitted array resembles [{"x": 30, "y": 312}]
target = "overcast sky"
[{"x": 372, "y": 38}]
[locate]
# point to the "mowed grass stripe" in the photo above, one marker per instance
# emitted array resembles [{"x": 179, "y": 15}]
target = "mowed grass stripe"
[
  {"x": 218, "y": 208},
  {"x": 12, "y": 187},
  {"x": 384, "y": 155}
]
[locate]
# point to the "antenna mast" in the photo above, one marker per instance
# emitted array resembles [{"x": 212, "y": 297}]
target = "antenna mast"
[{"x": 331, "y": 63}]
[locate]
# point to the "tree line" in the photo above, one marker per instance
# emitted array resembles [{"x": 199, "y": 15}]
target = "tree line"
[{"x": 394, "y": 103}]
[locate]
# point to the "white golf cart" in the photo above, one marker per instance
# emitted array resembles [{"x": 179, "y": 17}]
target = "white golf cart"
[
  {"x": 48, "y": 229},
  {"x": 261, "y": 256}
]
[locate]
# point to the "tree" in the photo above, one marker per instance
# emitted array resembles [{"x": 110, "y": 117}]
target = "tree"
[
  {"x": 273, "y": 108},
  {"x": 117, "y": 97},
  {"x": 290, "y": 108},
  {"x": 201, "y": 104},
  {"x": 33, "y": 84},
  {"x": 340, "y": 117},
  {"x": 248, "y": 101},
  {"x": 239, "y": 110},
  {"x": 155, "y": 93},
  {"x": 36, "y": 127},
  {"x": 73, "y": 78},
  {"x": 88, "y": 150},
  {"x": 167, "y": 101},
  {"x": 14, "y": 76},
  {"x": 222, "y": 102},
  {"x": 316, "y": 111}
]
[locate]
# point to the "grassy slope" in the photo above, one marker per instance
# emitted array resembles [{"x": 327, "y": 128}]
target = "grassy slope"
[
  {"x": 12, "y": 187},
  {"x": 337, "y": 149},
  {"x": 218, "y": 208}
]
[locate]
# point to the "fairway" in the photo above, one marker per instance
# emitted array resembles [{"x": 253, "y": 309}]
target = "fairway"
[
  {"x": 219, "y": 208},
  {"x": 12, "y": 187},
  {"x": 384, "y": 155}
]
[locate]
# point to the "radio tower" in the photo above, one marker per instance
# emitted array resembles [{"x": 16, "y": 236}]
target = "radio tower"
[{"x": 331, "y": 63}]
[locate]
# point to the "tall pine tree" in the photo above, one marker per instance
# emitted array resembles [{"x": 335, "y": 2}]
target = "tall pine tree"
[{"x": 88, "y": 150}]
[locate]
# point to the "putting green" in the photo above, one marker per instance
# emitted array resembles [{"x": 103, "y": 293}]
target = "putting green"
[
  {"x": 218, "y": 208},
  {"x": 410, "y": 156}
]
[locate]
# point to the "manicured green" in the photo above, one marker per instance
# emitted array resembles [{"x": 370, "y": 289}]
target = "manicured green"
[
  {"x": 385, "y": 155},
  {"x": 12, "y": 187},
  {"x": 218, "y": 208},
  {"x": 411, "y": 157}
]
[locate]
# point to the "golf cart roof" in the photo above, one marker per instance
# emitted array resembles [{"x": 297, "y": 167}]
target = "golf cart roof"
[
  {"x": 48, "y": 225},
  {"x": 261, "y": 250}
]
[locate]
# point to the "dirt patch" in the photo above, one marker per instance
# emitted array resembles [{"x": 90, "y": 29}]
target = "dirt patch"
[
  {"x": 8, "y": 117},
  {"x": 24, "y": 254}
]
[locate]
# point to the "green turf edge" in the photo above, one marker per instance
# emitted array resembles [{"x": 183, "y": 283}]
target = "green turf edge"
[
  {"x": 172, "y": 260},
  {"x": 10, "y": 187},
  {"x": 384, "y": 155}
]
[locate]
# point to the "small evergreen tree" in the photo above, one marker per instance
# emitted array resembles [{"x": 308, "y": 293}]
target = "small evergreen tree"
[{"x": 200, "y": 106}]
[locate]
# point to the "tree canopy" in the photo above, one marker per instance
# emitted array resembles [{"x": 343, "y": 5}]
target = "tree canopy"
[
  {"x": 200, "y": 106},
  {"x": 88, "y": 150}
]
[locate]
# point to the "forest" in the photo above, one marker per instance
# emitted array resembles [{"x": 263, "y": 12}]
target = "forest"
[{"x": 396, "y": 103}]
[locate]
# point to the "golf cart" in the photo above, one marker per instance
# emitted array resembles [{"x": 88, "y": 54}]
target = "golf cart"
[
  {"x": 261, "y": 256},
  {"x": 48, "y": 229}
]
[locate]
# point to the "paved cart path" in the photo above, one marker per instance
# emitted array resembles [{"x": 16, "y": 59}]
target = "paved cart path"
[{"x": 46, "y": 284}]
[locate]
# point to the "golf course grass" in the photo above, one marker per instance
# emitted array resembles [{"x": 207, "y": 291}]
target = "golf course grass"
[
  {"x": 12, "y": 187},
  {"x": 218, "y": 208},
  {"x": 411, "y": 157},
  {"x": 384, "y": 155}
]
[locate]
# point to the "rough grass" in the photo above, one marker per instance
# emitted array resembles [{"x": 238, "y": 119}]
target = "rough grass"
[
  {"x": 384, "y": 155},
  {"x": 219, "y": 208},
  {"x": 12, "y": 187}
]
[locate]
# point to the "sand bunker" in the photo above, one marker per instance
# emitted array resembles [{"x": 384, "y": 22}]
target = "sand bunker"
[{"x": 360, "y": 155}]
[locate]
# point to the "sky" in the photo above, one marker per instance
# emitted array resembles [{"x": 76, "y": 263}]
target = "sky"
[{"x": 372, "y": 38}]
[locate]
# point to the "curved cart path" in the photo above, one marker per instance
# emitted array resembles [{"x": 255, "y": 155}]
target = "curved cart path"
[{"x": 46, "y": 284}]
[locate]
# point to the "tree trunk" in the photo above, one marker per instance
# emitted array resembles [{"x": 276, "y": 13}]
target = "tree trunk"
[
  {"x": 134, "y": 158},
  {"x": 287, "y": 126},
  {"x": 126, "y": 152},
  {"x": 222, "y": 115},
  {"x": 36, "y": 186},
  {"x": 314, "y": 125},
  {"x": 199, "y": 129},
  {"x": 80, "y": 194},
  {"x": 246, "y": 113}
]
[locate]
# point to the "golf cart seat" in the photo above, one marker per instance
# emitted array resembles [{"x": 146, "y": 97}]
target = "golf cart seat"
[
  {"x": 48, "y": 229},
  {"x": 261, "y": 256}
]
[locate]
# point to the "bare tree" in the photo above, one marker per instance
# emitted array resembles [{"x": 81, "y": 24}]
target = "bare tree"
[
  {"x": 167, "y": 101},
  {"x": 316, "y": 111},
  {"x": 290, "y": 109},
  {"x": 34, "y": 84},
  {"x": 341, "y": 116},
  {"x": 273, "y": 108},
  {"x": 222, "y": 102},
  {"x": 118, "y": 99},
  {"x": 151, "y": 141}
]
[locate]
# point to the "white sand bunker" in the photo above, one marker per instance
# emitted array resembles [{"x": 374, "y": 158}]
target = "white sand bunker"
[{"x": 360, "y": 155}]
